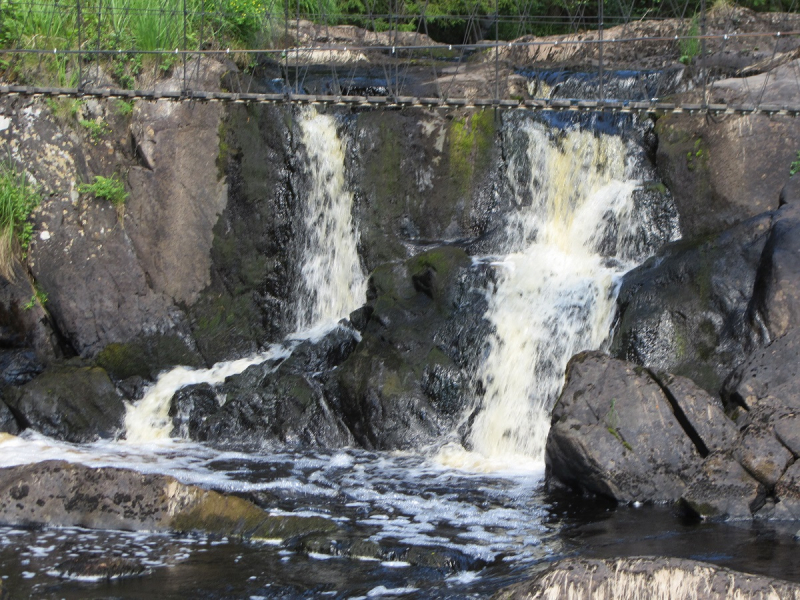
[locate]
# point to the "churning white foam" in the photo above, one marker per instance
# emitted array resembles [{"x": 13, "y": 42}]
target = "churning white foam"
[{"x": 556, "y": 289}]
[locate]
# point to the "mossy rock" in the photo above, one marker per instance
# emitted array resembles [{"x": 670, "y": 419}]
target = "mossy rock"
[{"x": 147, "y": 356}]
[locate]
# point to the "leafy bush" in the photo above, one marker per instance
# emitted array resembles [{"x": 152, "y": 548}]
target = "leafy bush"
[
  {"x": 106, "y": 188},
  {"x": 18, "y": 198},
  {"x": 794, "y": 168}
]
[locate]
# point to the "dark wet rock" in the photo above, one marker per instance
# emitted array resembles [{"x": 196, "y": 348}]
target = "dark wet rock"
[
  {"x": 19, "y": 366},
  {"x": 69, "y": 402},
  {"x": 249, "y": 299},
  {"x": 776, "y": 301},
  {"x": 57, "y": 493},
  {"x": 787, "y": 491},
  {"x": 763, "y": 455},
  {"x": 724, "y": 172},
  {"x": 99, "y": 568},
  {"x": 646, "y": 577},
  {"x": 272, "y": 402},
  {"x": 147, "y": 356},
  {"x": 768, "y": 379},
  {"x": 790, "y": 194},
  {"x": 722, "y": 489},
  {"x": 688, "y": 311},
  {"x": 418, "y": 176},
  {"x": 8, "y": 423},
  {"x": 406, "y": 382},
  {"x": 615, "y": 433}
]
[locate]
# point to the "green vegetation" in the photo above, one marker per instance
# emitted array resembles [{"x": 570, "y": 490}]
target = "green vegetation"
[
  {"x": 65, "y": 109},
  {"x": 794, "y": 168},
  {"x": 97, "y": 129},
  {"x": 39, "y": 297},
  {"x": 106, "y": 188},
  {"x": 124, "y": 108},
  {"x": 690, "y": 47},
  {"x": 18, "y": 198}
]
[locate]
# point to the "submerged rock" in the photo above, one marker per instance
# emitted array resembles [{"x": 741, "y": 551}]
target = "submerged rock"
[
  {"x": 647, "y": 577},
  {"x": 57, "y": 493}
]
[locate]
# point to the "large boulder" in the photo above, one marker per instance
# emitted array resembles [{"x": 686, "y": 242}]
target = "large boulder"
[
  {"x": 688, "y": 310},
  {"x": 61, "y": 494},
  {"x": 646, "y": 577},
  {"x": 624, "y": 432},
  {"x": 620, "y": 432},
  {"x": 71, "y": 402}
]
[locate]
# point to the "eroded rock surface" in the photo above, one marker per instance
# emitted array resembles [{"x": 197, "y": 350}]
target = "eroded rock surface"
[
  {"x": 647, "y": 577},
  {"x": 56, "y": 493}
]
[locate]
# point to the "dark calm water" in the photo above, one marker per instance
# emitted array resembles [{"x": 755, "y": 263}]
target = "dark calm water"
[{"x": 489, "y": 530}]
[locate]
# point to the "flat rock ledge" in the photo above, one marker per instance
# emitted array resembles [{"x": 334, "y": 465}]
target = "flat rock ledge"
[
  {"x": 62, "y": 494},
  {"x": 647, "y": 577}
]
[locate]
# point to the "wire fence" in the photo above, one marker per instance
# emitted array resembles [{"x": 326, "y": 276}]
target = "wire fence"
[{"x": 309, "y": 51}]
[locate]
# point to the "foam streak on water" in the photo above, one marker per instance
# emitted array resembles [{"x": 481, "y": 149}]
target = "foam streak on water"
[{"x": 555, "y": 293}]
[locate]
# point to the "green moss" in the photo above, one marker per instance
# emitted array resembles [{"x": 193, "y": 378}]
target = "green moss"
[
  {"x": 471, "y": 139},
  {"x": 224, "y": 150},
  {"x": 146, "y": 357},
  {"x": 232, "y": 516}
]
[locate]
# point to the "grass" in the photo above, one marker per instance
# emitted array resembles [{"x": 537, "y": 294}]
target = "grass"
[
  {"x": 106, "y": 188},
  {"x": 18, "y": 198},
  {"x": 690, "y": 46}
]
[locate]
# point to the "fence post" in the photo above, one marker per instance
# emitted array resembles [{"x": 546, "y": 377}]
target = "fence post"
[
  {"x": 703, "y": 50},
  {"x": 600, "y": 35}
]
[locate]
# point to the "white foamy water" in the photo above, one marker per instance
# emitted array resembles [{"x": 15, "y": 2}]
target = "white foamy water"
[
  {"x": 556, "y": 289},
  {"x": 333, "y": 283}
]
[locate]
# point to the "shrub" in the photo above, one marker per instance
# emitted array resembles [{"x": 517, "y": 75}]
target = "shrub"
[
  {"x": 18, "y": 198},
  {"x": 106, "y": 188}
]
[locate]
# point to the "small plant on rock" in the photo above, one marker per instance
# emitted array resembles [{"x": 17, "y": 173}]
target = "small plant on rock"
[
  {"x": 107, "y": 188},
  {"x": 97, "y": 129},
  {"x": 39, "y": 297},
  {"x": 794, "y": 168},
  {"x": 18, "y": 198}
]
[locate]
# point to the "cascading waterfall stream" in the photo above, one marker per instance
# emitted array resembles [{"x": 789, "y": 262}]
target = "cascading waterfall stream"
[
  {"x": 555, "y": 293},
  {"x": 332, "y": 286},
  {"x": 333, "y": 283}
]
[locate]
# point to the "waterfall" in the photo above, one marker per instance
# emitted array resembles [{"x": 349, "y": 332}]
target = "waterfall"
[
  {"x": 332, "y": 282},
  {"x": 577, "y": 231}
]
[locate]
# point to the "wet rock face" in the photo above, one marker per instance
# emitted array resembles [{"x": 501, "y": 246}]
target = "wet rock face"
[
  {"x": 57, "y": 493},
  {"x": 401, "y": 382},
  {"x": 688, "y": 309},
  {"x": 274, "y": 403},
  {"x": 626, "y": 433},
  {"x": 72, "y": 403},
  {"x": 407, "y": 381},
  {"x": 646, "y": 577},
  {"x": 418, "y": 176}
]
